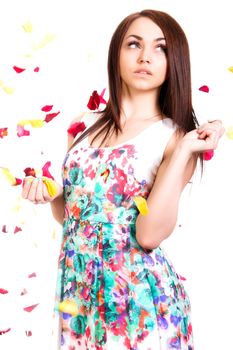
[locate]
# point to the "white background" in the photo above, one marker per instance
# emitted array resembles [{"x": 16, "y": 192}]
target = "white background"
[{"x": 71, "y": 67}]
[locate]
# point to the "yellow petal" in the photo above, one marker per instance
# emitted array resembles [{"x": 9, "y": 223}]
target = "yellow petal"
[
  {"x": 231, "y": 69},
  {"x": 229, "y": 133},
  {"x": 8, "y": 90},
  {"x": 8, "y": 176},
  {"x": 51, "y": 186},
  {"x": 36, "y": 123},
  {"x": 24, "y": 122},
  {"x": 27, "y": 27},
  {"x": 47, "y": 39},
  {"x": 141, "y": 205},
  {"x": 69, "y": 307}
]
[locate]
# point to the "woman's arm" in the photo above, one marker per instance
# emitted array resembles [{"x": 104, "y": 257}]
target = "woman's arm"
[
  {"x": 36, "y": 191},
  {"x": 174, "y": 173}
]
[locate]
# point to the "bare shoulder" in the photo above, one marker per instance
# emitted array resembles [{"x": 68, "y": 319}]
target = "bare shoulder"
[{"x": 168, "y": 154}]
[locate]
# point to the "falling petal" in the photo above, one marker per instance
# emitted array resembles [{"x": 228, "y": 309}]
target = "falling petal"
[
  {"x": 17, "y": 229},
  {"x": 28, "y": 333},
  {"x": 3, "y": 291},
  {"x": 45, "y": 170},
  {"x": 47, "y": 108},
  {"x": 8, "y": 90},
  {"x": 51, "y": 186},
  {"x": 21, "y": 131},
  {"x": 24, "y": 291},
  {"x": 68, "y": 307},
  {"x": 36, "y": 70},
  {"x": 50, "y": 116},
  {"x": 46, "y": 40},
  {"x": 231, "y": 69},
  {"x": 4, "y": 229},
  {"x": 33, "y": 274},
  {"x": 204, "y": 88},
  {"x": 30, "y": 308},
  {"x": 102, "y": 100},
  {"x": 141, "y": 205},
  {"x": 94, "y": 101},
  {"x": 75, "y": 128},
  {"x": 229, "y": 133},
  {"x": 4, "y": 331},
  {"x": 18, "y": 69},
  {"x": 27, "y": 27},
  {"x": 208, "y": 155},
  {"x": 3, "y": 132},
  {"x": 30, "y": 172},
  {"x": 9, "y": 177}
]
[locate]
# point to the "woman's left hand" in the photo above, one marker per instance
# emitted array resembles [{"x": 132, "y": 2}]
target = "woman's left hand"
[{"x": 205, "y": 138}]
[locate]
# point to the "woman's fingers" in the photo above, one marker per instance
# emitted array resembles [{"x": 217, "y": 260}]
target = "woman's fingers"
[{"x": 26, "y": 186}]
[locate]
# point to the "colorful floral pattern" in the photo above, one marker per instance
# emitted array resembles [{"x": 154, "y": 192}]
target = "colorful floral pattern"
[{"x": 126, "y": 298}]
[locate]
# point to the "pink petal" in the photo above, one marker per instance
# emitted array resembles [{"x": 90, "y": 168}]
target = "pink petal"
[
  {"x": 21, "y": 131},
  {"x": 47, "y": 108},
  {"x": 4, "y": 229},
  {"x": 50, "y": 116},
  {"x": 17, "y": 229},
  {"x": 30, "y": 308},
  {"x": 24, "y": 291},
  {"x": 208, "y": 155},
  {"x": 36, "y": 70},
  {"x": 32, "y": 275},
  {"x": 28, "y": 333},
  {"x": 204, "y": 88},
  {"x": 45, "y": 170},
  {"x": 17, "y": 181},
  {"x": 3, "y": 291},
  {"x": 4, "y": 331},
  {"x": 18, "y": 69}
]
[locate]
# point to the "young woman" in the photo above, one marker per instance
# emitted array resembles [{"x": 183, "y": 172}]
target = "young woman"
[{"x": 117, "y": 288}]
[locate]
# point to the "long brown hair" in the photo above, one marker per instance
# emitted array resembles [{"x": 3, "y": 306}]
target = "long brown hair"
[{"x": 175, "y": 98}]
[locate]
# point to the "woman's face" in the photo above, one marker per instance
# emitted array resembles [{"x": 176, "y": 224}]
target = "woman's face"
[{"x": 143, "y": 61}]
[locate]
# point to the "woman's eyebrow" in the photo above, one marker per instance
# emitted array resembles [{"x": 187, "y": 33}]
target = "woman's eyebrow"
[{"x": 140, "y": 38}]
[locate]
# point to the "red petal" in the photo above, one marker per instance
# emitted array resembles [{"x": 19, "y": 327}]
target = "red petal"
[
  {"x": 17, "y": 229},
  {"x": 94, "y": 101},
  {"x": 75, "y": 128},
  {"x": 45, "y": 170},
  {"x": 204, "y": 88},
  {"x": 30, "y": 172},
  {"x": 32, "y": 275},
  {"x": 22, "y": 132},
  {"x": 3, "y": 291},
  {"x": 47, "y": 108},
  {"x": 30, "y": 308},
  {"x": 18, "y": 69},
  {"x": 3, "y": 132},
  {"x": 36, "y": 69},
  {"x": 50, "y": 116}
]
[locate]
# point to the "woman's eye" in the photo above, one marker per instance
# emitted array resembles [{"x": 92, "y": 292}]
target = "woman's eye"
[
  {"x": 162, "y": 48},
  {"x": 133, "y": 44}
]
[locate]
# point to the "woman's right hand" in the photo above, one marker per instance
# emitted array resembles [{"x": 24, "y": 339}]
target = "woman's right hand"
[{"x": 35, "y": 190}]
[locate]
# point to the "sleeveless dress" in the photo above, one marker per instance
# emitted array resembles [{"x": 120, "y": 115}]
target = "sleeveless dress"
[{"x": 126, "y": 297}]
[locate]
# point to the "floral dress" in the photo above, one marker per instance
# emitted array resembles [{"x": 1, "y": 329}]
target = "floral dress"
[{"x": 124, "y": 297}]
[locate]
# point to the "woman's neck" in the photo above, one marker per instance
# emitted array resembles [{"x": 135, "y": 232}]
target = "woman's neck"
[{"x": 140, "y": 106}]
